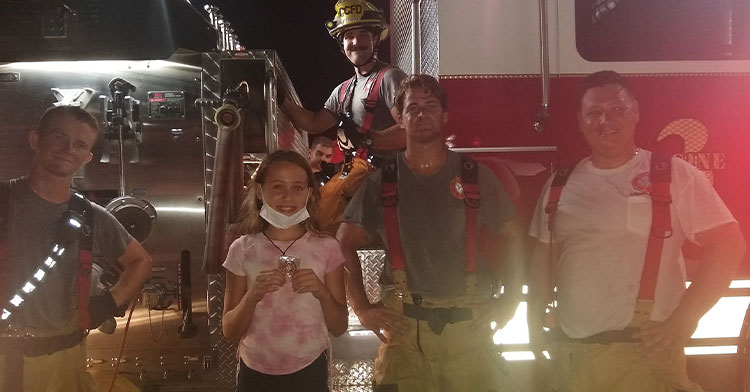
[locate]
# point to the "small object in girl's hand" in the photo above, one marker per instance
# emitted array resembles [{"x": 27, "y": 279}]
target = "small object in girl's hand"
[{"x": 289, "y": 265}]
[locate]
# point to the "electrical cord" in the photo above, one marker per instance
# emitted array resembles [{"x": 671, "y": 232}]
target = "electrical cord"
[{"x": 122, "y": 347}]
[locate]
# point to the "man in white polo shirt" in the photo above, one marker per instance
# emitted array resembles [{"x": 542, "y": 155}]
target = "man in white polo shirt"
[{"x": 623, "y": 326}]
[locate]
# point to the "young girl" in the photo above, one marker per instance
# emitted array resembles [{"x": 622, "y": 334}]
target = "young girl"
[{"x": 285, "y": 282}]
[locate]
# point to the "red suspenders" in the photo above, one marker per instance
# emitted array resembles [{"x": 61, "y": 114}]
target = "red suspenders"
[
  {"x": 344, "y": 92},
  {"x": 660, "y": 176},
  {"x": 389, "y": 198},
  {"x": 469, "y": 181},
  {"x": 373, "y": 92}
]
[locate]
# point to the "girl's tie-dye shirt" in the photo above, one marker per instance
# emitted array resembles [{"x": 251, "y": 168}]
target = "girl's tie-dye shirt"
[{"x": 288, "y": 331}]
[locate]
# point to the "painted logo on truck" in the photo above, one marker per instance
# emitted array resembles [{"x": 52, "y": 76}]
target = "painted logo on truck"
[{"x": 695, "y": 136}]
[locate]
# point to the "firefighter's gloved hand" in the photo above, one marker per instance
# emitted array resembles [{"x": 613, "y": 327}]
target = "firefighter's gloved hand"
[
  {"x": 349, "y": 136},
  {"x": 327, "y": 171},
  {"x": 102, "y": 307}
]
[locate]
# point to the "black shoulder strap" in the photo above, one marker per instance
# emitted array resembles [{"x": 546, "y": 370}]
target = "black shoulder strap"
[
  {"x": 390, "y": 170},
  {"x": 469, "y": 170},
  {"x": 470, "y": 181},
  {"x": 79, "y": 204},
  {"x": 661, "y": 168}
]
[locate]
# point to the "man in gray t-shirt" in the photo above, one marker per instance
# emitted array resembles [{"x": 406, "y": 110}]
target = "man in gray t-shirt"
[
  {"x": 438, "y": 305},
  {"x": 431, "y": 214},
  {"x": 359, "y": 27},
  {"x": 42, "y": 337},
  {"x": 32, "y": 229}
]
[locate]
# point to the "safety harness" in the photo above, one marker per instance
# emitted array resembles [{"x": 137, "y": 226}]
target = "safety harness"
[
  {"x": 346, "y": 98},
  {"x": 660, "y": 177},
  {"x": 437, "y": 318},
  {"x": 79, "y": 205},
  {"x": 15, "y": 349}
]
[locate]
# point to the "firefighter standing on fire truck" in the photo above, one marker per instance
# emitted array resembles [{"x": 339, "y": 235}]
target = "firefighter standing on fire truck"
[
  {"x": 610, "y": 231},
  {"x": 42, "y": 339},
  {"x": 362, "y": 106},
  {"x": 428, "y": 204}
]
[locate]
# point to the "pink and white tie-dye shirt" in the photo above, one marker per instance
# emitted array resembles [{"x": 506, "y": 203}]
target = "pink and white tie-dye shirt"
[{"x": 288, "y": 331}]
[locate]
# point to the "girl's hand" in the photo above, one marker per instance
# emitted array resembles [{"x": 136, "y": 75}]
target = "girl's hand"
[
  {"x": 267, "y": 281},
  {"x": 305, "y": 281}
]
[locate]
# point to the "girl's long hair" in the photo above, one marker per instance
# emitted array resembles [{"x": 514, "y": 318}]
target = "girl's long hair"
[{"x": 250, "y": 221}]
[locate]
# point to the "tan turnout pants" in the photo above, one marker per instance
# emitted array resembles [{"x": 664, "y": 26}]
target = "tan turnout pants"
[
  {"x": 617, "y": 367},
  {"x": 459, "y": 359}
]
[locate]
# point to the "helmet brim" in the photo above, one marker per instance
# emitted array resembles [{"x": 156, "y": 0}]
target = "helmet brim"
[{"x": 338, "y": 32}]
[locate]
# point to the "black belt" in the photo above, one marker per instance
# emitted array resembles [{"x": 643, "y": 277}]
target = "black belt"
[
  {"x": 606, "y": 337},
  {"x": 437, "y": 318},
  {"x": 34, "y": 347}
]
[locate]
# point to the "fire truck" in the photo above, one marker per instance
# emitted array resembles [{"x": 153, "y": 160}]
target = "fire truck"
[{"x": 187, "y": 113}]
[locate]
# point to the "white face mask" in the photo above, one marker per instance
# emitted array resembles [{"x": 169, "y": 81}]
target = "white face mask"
[{"x": 281, "y": 221}]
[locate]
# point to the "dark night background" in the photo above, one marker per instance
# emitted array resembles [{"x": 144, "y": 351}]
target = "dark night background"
[{"x": 296, "y": 29}]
